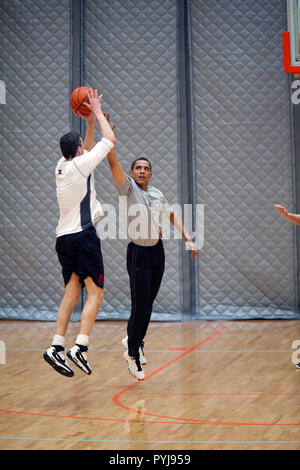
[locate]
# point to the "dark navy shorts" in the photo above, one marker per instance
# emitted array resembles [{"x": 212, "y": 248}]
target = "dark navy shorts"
[{"x": 80, "y": 253}]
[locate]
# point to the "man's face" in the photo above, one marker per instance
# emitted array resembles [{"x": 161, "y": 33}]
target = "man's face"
[{"x": 141, "y": 173}]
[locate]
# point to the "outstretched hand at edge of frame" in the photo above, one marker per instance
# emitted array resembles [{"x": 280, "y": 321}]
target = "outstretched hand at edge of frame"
[{"x": 282, "y": 210}]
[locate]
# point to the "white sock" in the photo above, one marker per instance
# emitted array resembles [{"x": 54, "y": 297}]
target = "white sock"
[
  {"x": 82, "y": 339},
  {"x": 58, "y": 341}
]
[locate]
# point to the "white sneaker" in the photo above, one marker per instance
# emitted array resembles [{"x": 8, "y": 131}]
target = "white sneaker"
[
  {"x": 57, "y": 360},
  {"x": 79, "y": 358},
  {"x": 134, "y": 366},
  {"x": 143, "y": 360}
]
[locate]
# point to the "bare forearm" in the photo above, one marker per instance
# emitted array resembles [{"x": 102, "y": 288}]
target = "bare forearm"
[
  {"x": 105, "y": 129},
  {"x": 189, "y": 244},
  {"x": 112, "y": 157},
  {"x": 116, "y": 167},
  {"x": 95, "y": 106},
  {"x": 178, "y": 224},
  {"x": 89, "y": 140},
  {"x": 294, "y": 218}
]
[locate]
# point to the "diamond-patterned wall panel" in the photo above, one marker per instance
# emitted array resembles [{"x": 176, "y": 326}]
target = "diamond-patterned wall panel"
[
  {"x": 242, "y": 140},
  {"x": 34, "y": 61},
  {"x": 131, "y": 58},
  {"x": 244, "y": 159}
]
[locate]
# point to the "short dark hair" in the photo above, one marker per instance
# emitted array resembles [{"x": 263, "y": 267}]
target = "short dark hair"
[
  {"x": 138, "y": 159},
  {"x": 69, "y": 144}
]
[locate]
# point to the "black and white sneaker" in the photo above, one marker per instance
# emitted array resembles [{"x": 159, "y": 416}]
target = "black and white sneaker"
[
  {"x": 143, "y": 360},
  {"x": 134, "y": 366},
  {"x": 298, "y": 365},
  {"x": 57, "y": 360},
  {"x": 79, "y": 357}
]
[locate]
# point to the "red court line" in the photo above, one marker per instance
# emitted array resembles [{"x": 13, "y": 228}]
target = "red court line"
[
  {"x": 178, "y": 420},
  {"x": 189, "y": 350},
  {"x": 216, "y": 394},
  {"x": 116, "y": 398}
]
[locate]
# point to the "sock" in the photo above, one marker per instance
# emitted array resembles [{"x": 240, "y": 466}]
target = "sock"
[
  {"x": 58, "y": 342},
  {"x": 83, "y": 342}
]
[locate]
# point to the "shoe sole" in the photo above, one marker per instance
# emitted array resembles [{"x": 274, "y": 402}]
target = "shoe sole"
[
  {"x": 78, "y": 364},
  {"x": 58, "y": 368},
  {"x": 140, "y": 380}
]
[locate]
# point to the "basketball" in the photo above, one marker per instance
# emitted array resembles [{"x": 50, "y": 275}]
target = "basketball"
[{"x": 78, "y": 99}]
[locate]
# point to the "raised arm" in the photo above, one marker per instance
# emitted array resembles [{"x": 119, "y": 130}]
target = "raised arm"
[
  {"x": 89, "y": 140},
  {"x": 294, "y": 218},
  {"x": 116, "y": 168},
  {"x": 96, "y": 108},
  {"x": 88, "y": 161}
]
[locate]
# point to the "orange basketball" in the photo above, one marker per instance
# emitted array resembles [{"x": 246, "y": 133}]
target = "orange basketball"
[{"x": 78, "y": 99}]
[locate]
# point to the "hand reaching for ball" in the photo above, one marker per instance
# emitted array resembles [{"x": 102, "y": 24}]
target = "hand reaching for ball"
[
  {"x": 85, "y": 103},
  {"x": 94, "y": 102}
]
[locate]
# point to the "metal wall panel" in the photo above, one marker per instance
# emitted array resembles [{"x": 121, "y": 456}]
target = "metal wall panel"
[
  {"x": 244, "y": 160},
  {"x": 131, "y": 57},
  {"x": 241, "y": 142},
  {"x": 34, "y": 61}
]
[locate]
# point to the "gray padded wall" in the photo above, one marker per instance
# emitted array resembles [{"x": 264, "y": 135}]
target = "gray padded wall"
[
  {"x": 131, "y": 57},
  {"x": 242, "y": 148},
  {"x": 243, "y": 152},
  {"x": 34, "y": 40}
]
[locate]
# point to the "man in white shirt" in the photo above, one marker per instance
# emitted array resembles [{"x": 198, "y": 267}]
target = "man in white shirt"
[
  {"x": 77, "y": 243},
  {"x": 145, "y": 252}
]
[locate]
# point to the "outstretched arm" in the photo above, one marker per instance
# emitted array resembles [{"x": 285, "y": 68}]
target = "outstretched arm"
[
  {"x": 87, "y": 162},
  {"x": 116, "y": 168},
  {"x": 89, "y": 140},
  {"x": 294, "y": 218},
  {"x": 189, "y": 244},
  {"x": 95, "y": 106}
]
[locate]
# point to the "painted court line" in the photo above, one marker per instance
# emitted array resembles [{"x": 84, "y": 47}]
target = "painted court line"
[
  {"x": 177, "y": 349},
  {"x": 217, "y": 394},
  {"x": 170, "y": 419},
  {"x": 144, "y": 441},
  {"x": 184, "y": 421},
  {"x": 88, "y": 418},
  {"x": 166, "y": 350},
  {"x": 116, "y": 398}
]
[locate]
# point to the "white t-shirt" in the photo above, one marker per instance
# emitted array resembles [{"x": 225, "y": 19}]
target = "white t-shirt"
[{"x": 75, "y": 190}]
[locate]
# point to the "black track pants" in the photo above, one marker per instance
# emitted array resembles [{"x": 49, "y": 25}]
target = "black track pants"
[{"x": 145, "y": 266}]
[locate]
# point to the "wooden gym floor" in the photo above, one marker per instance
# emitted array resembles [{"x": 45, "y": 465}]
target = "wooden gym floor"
[{"x": 209, "y": 385}]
